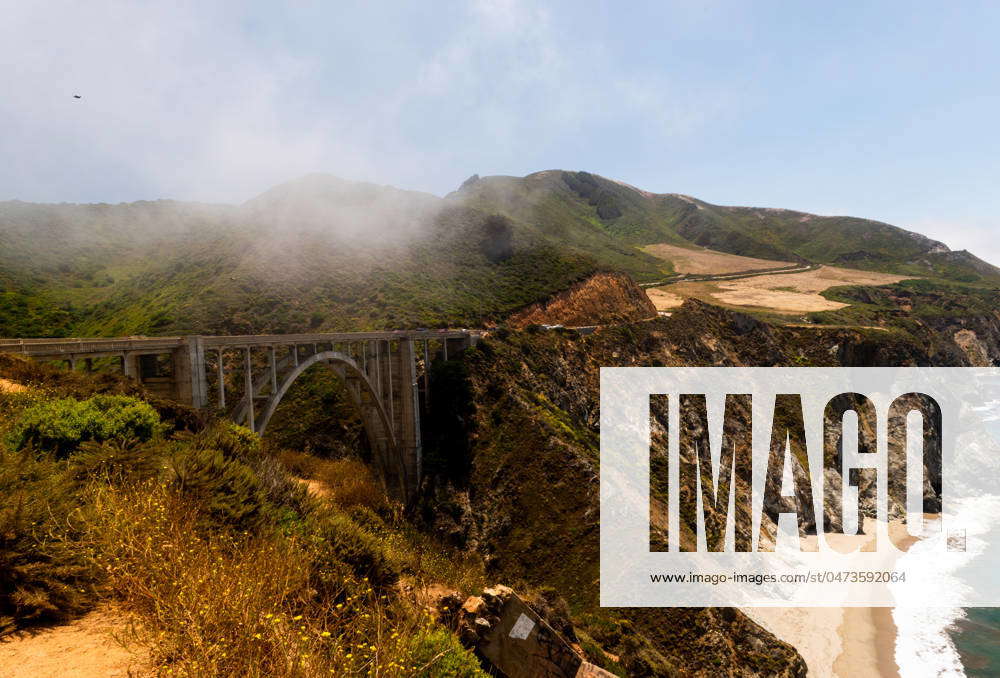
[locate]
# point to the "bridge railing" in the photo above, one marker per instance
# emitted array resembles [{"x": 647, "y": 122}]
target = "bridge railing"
[
  {"x": 41, "y": 348},
  {"x": 236, "y": 341}
]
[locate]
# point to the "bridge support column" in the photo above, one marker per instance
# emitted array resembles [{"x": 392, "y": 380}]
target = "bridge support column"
[
  {"x": 190, "y": 380},
  {"x": 427, "y": 375},
  {"x": 272, "y": 364},
  {"x": 454, "y": 346},
  {"x": 248, "y": 376},
  {"x": 409, "y": 414},
  {"x": 221, "y": 376},
  {"x": 130, "y": 365}
]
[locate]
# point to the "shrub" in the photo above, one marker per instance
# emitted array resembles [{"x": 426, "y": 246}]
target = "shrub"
[
  {"x": 227, "y": 489},
  {"x": 301, "y": 464},
  {"x": 350, "y": 484},
  {"x": 46, "y": 574},
  {"x": 438, "y": 654},
  {"x": 116, "y": 461},
  {"x": 340, "y": 541},
  {"x": 239, "y": 494},
  {"x": 224, "y": 604},
  {"x": 61, "y": 425},
  {"x": 233, "y": 440}
]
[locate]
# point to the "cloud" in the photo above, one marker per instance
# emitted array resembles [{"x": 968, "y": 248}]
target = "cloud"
[{"x": 219, "y": 101}]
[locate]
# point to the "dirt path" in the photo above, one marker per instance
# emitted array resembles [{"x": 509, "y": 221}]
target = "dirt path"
[
  {"x": 84, "y": 648},
  {"x": 316, "y": 488},
  {"x": 8, "y": 386}
]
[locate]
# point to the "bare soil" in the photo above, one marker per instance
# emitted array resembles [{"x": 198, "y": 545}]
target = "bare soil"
[
  {"x": 8, "y": 386},
  {"x": 664, "y": 299},
  {"x": 89, "y": 647},
  {"x": 600, "y": 299},
  {"x": 703, "y": 261}
]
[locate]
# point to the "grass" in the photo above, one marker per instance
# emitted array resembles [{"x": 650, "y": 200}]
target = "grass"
[{"x": 235, "y": 605}]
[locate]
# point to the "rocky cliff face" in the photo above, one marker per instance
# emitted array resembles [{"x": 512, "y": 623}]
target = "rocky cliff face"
[
  {"x": 600, "y": 299},
  {"x": 528, "y": 501}
]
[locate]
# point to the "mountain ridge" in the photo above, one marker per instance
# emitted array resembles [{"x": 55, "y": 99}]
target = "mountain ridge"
[{"x": 321, "y": 252}]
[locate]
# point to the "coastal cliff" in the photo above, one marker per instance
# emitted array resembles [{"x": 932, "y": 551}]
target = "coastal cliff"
[{"x": 527, "y": 500}]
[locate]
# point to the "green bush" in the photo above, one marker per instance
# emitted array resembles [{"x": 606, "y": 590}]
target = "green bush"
[
  {"x": 239, "y": 494},
  {"x": 227, "y": 489},
  {"x": 438, "y": 654},
  {"x": 117, "y": 461},
  {"x": 340, "y": 541},
  {"x": 233, "y": 440},
  {"x": 60, "y": 426},
  {"x": 46, "y": 574}
]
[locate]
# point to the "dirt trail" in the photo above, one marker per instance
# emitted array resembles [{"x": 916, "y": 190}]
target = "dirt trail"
[
  {"x": 316, "y": 488},
  {"x": 84, "y": 648},
  {"x": 8, "y": 386}
]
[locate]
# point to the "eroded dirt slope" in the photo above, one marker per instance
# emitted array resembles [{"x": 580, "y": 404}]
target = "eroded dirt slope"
[{"x": 602, "y": 298}]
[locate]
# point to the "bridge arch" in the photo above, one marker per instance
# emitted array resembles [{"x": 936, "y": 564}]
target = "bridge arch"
[{"x": 386, "y": 452}]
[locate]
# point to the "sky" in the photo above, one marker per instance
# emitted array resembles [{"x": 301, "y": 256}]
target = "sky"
[{"x": 883, "y": 110}]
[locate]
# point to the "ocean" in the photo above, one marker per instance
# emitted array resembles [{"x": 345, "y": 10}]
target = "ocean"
[
  {"x": 955, "y": 642},
  {"x": 977, "y": 638}
]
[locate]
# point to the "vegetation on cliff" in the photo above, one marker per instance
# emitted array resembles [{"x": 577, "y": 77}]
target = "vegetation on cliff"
[
  {"x": 230, "y": 567},
  {"x": 601, "y": 299}
]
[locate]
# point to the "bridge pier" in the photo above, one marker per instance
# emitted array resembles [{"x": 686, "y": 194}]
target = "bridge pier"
[
  {"x": 409, "y": 414},
  {"x": 189, "y": 373}
]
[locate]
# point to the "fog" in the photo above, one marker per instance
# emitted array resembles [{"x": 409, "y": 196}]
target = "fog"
[{"x": 221, "y": 101}]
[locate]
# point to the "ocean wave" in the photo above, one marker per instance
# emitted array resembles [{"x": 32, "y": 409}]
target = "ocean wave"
[{"x": 924, "y": 644}]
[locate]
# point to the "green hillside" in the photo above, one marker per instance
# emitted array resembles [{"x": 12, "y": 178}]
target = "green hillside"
[
  {"x": 321, "y": 253},
  {"x": 563, "y": 203},
  {"x": 317, "y": 254}
]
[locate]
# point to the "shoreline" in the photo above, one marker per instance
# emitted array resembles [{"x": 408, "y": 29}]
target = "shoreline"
[
  {"x": 868, "y": 642},
  {"x": 864, "y": 641},
  {"x": 868, "y": 634}
]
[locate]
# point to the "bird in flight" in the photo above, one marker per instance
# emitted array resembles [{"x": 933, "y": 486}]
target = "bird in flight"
[{"x": 77, "y": 96}]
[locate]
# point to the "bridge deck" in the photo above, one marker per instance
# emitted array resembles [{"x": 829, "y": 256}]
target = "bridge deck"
[{"x": 65, "y": 347}]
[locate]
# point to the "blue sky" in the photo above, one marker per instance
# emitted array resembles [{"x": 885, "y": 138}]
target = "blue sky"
[{"x": 885, "y": 110}]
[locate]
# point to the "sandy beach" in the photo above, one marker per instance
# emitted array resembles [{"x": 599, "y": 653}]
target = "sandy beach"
[{"x": 865, "y": 640}]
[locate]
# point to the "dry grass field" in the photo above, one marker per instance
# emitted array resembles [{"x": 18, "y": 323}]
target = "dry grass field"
[
  {"x": 780, "y": 292},
  {"x": 702, "y": 260}
]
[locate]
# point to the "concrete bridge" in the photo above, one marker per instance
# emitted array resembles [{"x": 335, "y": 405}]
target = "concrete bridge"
[{"x": 386, "y": 374}]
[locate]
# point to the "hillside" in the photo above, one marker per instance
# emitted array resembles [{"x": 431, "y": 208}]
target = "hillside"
[
  {"x": 322, "y": 253},
  {"x": 640, "y": 218},
  {"x": 319, "y": 253},
  {"x": 201, "y": 547}
]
